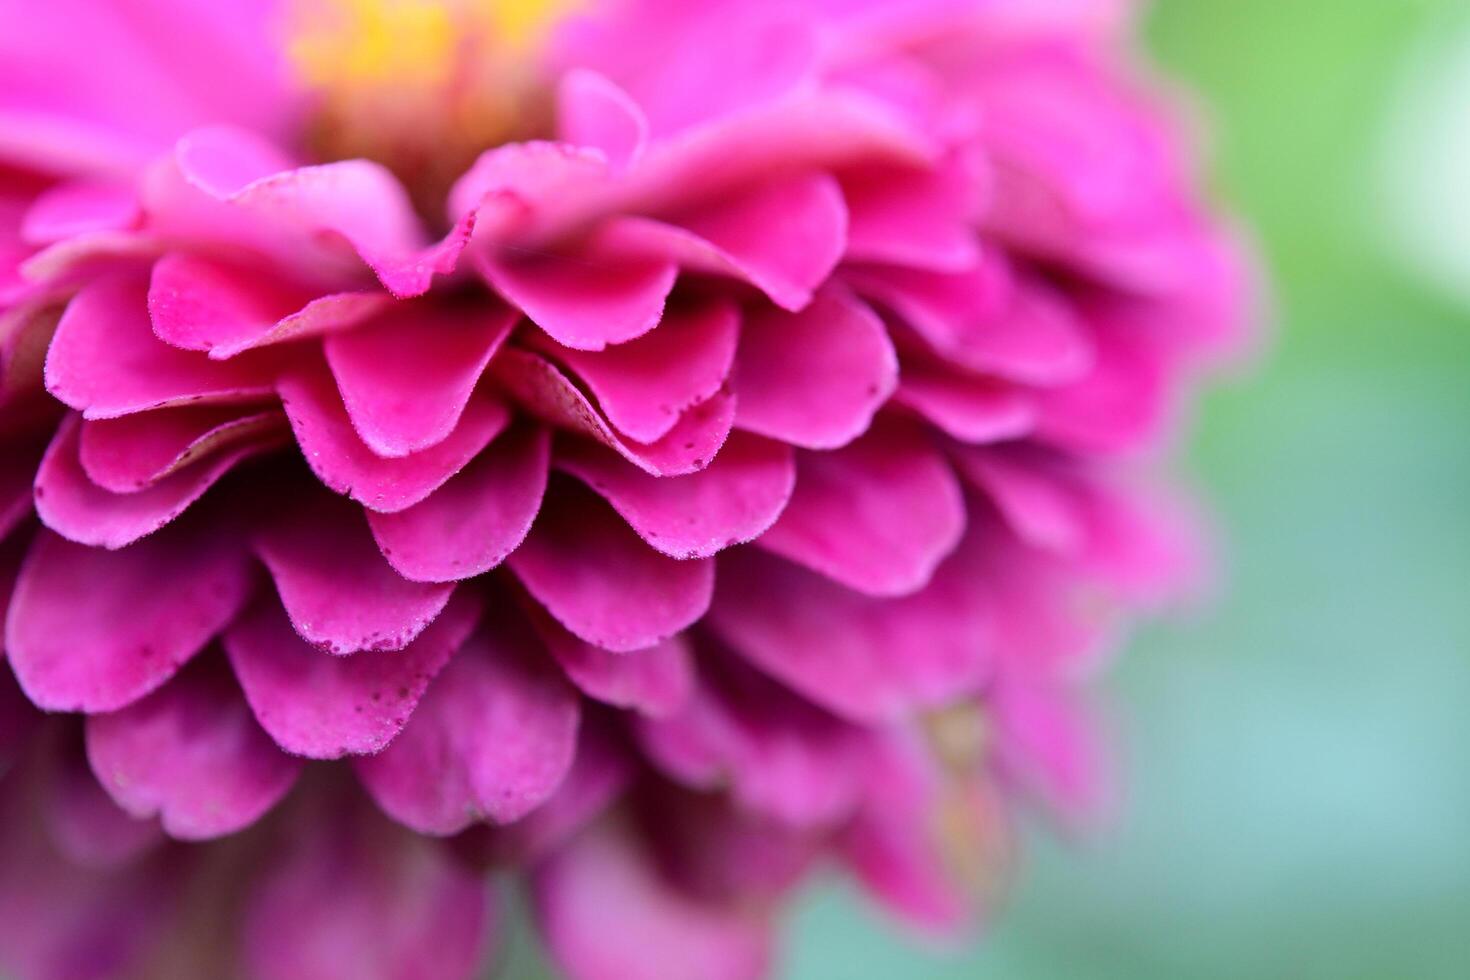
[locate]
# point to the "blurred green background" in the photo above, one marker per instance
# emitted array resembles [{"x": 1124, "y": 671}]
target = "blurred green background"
[{"x": 1297, "y": 758}]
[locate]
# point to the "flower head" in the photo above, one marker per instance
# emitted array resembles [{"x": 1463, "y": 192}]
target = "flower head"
[{"x": 642, "y": 447}]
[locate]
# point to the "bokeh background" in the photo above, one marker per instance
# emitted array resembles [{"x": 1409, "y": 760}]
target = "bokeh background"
[{"x": 1296, "y": 758}]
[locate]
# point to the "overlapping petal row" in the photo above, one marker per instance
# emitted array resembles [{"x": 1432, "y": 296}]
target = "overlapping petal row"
[{"x": 739, "y": 477}]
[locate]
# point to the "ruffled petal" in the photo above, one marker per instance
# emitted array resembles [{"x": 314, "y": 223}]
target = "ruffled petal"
[
  {"x": 814, "y": 378},
  {"x": 342, "y": 596},
  {"x": 407, "y": 377},
  {"x": 878, "y": 515},
  {"x": 593, "y": 111},
  {"x": 492, "y": 739},
  {"x": 732, "y": 501},
  {"x": 191, "y": 754},
  {"x": 601, "y": 581},
  {"x": 469, "y": 525},
  {"x": 325, "y": 707},
  {"x": 93, "y": 630},
  {"x": 646, "y": 385},
  {"x": 342, "y": 461},
  {"x": 128, "y": 454}
]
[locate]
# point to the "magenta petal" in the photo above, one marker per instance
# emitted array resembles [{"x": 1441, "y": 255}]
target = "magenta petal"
[
  {"x": 604, "y": 884},
  {"x": 128, "y": 454},
  {"x": 1120, "y": 405},
  {"x": 69, "y": 503},
  {"x": 915, "y": 218},
  {"x": 987, "y": 319},
  {"x": 351, "y": 897},
  {"x": 192, "y": 754},
  {"x": 732, "y": 501},
  {"x": 475, "y": 520},
  {"x": 92, "y": 630},
  {"x": 784, "y": 237},
  {"x": 878, "y": 515},
  {"x": 339, "y": 457},
  {"x": 341, "y": 594},
  {"x": 655, "y": 682},
  {"x": 492, "y": 739},
  {"x": 547, "y": 392},
  {"x": 646, "y": 385},
  {"x": 584, "y": 301},
  {"x": 814, "y": 378},
  {"x": 86, "y": 825},
  {"x": 17, "y": 494},
  {"x": 140, "y": 371},
  {"x": 601, "y": 581},
  {"x": 971, "y": 409},
  {"x": 75, "y": 208},
  {"x": 866, "y": 659},
  {"x": 592, "y": 111},
  {"x": 407, "y": 377},
  {"x": 325, "y": 707},
  {"x": 202, "y": 304}
]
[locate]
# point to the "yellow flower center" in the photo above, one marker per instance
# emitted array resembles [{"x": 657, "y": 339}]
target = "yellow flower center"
[{"x": 422, "y": 85}]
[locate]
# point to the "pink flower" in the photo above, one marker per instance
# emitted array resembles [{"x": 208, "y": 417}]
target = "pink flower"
[{"x": 647, "y": 448}]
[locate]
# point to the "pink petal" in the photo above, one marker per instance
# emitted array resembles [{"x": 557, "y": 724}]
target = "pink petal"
[
  {"x": 203, "y": 304},
  {"x": 814, "y": 378},
  {"x": 192, "y": 754},
  {"x": 349, "y": 896},
  {"x": 863, "y": 658},
  {"x": 469, "y": 525},
  {"x": 601, "y": 581},
  {"x": 492, "y": 739},
  {"x": 139, "y": 371},
  {"x": 646, "y": 385},
  {"x": 971, "y": 408},
  {"x": 912, "y": 218},
  {"x": 1119, "y": 405},
  {"x": 592, "y": 111},
  {"x": 79, "y": 208},
  {"x": 407, "y": 377},
  {"x": 339, "y": 457},
  {"x": 325, "y": 707},
  {"x": 586, "y": 300},
  {"x": 603, "y": 884},
  {"x": 655, "y": 682},
  {"x": 784, "y": 237},
  {"x": 732, "y": 501},
  {"x": 341, "y": 595},
  {"x": 86, "y": 825},
  {"x": 770, "y": 749},
  {"x": 549, "y": 394},
  {"x": 131, "y": 453},
  {"x": 988, "y": 319},
  {"x": 69, "y": 503},
  {"x": 878, "y": 515},
  {"x": 92, "y": 630}
]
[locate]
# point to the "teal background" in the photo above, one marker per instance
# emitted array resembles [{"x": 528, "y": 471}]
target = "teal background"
[{"x": 1296, "y": 758}]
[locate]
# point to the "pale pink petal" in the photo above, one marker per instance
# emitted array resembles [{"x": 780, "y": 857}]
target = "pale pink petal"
[
  {"x": 646, "y": 385},
  {"x": 863, "y": 658},
  {"x": 593, "y": 111},
  {"x": 599, "y": 579},
  {"x": 140, "y": 371},
  {"x": 878, "y": 515},
  {"x": 208, "y": 305},
  {"x": 732, "y": 501},
  {"x": 325, "y": 707},
  {"x": 340, "y": 593},
  {"x": 68, "y": 502},
  {"x": 191, "y": 754},
  {"x": 814, "y": 378},
  {"x": 553, "y": 397},
  {"x": 75, "y": 208},
  {"x": 469, "y": 525},
  {"x": 491, "y": 740},
  {"x": 604, "y": 884},
  {"x": 348, "y": 896},
  {"x": 407, "y": 377},
  {"x": 344, "y": 463},
  {"x": 93, "y": 630}
]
